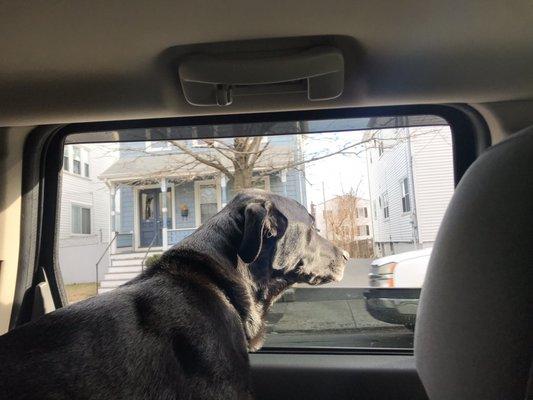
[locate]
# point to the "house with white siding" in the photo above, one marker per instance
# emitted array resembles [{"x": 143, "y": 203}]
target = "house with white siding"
[
  {"x": 161, "y": 193},
  {"x": 84, "y": 212},
  {"x": 411, "y": 181}
]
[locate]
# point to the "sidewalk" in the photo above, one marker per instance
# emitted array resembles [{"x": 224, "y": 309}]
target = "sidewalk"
[{"x": 320, "y": 316}]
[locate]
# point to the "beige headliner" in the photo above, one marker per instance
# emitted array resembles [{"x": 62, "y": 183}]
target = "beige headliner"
[{"x": 66, "y": 61}]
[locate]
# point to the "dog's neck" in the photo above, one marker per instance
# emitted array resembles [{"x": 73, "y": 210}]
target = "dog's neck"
[
  {"x": 218, "y": 238},
  {"x": 232, "y": 283},
  {"x": 249, "y": 287}
]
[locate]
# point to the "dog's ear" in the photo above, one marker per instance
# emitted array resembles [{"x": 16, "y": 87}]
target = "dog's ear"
[{"x": 262, "y": 220}]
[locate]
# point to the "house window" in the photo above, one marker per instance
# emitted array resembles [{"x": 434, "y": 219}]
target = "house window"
[
  {"x": 362, "y": 212},
  {"x": 86, "y": 169},
  {"x": 80, "y": 220},
  {"x": 363, "y": 230},
  {"x": 262, "y": 183},
  {"x": 208, "y": 200},
  {"x": 384, "y": 204},
  {"x": 147, "y": 206},
  {"x": 204, "y": 143},
  {"x": 76, "y": 161},
  {"x": 406, "y": 198},
  {"x": 66, "y": 162},
  {"x": 160, "y": 145}
]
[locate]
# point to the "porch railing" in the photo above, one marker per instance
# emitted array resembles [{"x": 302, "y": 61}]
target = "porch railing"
[
  {"x": 102, "y": 256},
  {"x": 175, "y": 236},
  {"x": 149, "y": 248}
]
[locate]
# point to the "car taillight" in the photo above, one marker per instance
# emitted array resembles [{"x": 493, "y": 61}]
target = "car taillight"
[
  {"x": 387, "y": 269},
  {"x": 387, "y": 272}
]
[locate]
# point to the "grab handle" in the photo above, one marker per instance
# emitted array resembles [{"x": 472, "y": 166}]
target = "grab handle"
[{"x": 213, "y": 80}]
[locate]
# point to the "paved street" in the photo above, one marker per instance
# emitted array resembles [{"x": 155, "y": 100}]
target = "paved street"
[
  {"x": 340, "y": 321},
  {"x": 355, "y": 274},
  {"x": 333, "y": 315}
]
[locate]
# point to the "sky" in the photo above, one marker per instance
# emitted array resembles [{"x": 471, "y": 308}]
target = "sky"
[{"x": 337, "y": 174}]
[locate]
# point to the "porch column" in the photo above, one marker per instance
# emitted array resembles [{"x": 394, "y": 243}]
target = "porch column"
[
  {"x": 113, "y": 222},
  {"x": 224, "y": 195},
  {"x": 284, "y": 181},
  {"x": 164, "y": 212}
]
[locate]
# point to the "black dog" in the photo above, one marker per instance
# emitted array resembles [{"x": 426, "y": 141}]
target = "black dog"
[{"x": 182, "y": 329}]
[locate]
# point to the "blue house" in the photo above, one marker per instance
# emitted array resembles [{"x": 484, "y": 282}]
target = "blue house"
[{"x": 160, "y": 194}]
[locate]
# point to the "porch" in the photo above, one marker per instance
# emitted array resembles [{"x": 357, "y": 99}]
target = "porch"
[
  {"x": 154, "y": 217},
  {"x": 160, "y": 215},
  {"x": 154, "y": 205}
]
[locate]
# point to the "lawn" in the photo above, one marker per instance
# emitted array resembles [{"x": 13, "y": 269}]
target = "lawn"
[{"x": 80, "y": 291}]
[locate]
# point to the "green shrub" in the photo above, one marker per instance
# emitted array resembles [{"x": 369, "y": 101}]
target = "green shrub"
[{"x": 151, "y": 260}]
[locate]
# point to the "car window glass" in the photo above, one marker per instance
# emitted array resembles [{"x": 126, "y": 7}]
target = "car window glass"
[{"x": 376, "y": 190}]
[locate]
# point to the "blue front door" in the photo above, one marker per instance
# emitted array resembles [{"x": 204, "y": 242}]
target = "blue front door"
[{"x": 150, "y": 217}]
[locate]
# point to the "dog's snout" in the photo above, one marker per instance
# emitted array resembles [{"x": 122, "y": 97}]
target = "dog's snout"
[{"x": 346, "y": 255}]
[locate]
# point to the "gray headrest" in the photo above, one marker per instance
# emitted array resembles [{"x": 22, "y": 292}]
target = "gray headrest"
[{"x": 473, "y": 337}]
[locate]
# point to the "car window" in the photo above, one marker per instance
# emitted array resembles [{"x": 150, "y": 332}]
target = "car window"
[{"x": 376, "y": 188}]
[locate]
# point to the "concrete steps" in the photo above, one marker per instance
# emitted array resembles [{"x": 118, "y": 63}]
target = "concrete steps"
[
  {"x": 119, "y": 276},
  {"x": 124, "y": 267}
]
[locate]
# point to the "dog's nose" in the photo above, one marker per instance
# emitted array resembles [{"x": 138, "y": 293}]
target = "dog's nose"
[{"x": 346, "y": 255}]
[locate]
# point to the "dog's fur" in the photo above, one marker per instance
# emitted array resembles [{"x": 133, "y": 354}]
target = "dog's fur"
[{"x": 182, "y": 329}]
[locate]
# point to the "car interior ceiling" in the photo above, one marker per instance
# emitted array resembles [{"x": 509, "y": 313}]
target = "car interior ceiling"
[{"x": 101, "y": 67}]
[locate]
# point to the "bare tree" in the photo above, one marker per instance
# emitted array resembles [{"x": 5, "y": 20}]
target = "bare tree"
[
  {"x": 342, "y": 218},
  {"x": 246, "y": 159},
  {"x": 249, "y": 156},
  {"x": 242, "y": 153}
]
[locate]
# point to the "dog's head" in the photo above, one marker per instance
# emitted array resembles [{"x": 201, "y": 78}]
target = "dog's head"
[
  {"x": 265, "y": 243},
  {"x": 281, "y": 244}
]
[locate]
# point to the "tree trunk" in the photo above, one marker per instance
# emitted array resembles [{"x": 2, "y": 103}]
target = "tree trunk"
[{"x": 242, "y": 179}]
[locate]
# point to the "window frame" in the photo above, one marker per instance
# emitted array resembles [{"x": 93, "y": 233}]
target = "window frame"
[
  {"x": 384, "y": 205},
  {"x": 81, "y": 206},
  {"x": 405, "y": 193},
  {"x": 266, "y": 180},
  {"x": 197, "y": 187},
  {"x": 148, "y": 146},
  {"x": 363, "y": 213},
  {"x": 84, "y": 159},
  {"x": 42, "y": 166},
  {"x": 73, "y": 157}
]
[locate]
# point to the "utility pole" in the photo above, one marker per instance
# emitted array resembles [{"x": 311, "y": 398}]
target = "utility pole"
[
  {"x": 414, "y": 215},
  {"x": 324, "y": 207}
]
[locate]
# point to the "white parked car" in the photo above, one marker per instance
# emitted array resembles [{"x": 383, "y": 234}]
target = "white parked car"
[{"x": 404, "y": 273}]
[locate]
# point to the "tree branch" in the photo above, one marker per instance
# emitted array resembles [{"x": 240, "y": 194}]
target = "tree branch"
[
  {"x": 214, "y": 163},
  {"x": 318, "y": 157}
]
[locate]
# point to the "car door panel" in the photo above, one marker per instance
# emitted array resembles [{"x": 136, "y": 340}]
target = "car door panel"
[{"x": 335, "y": 376}]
